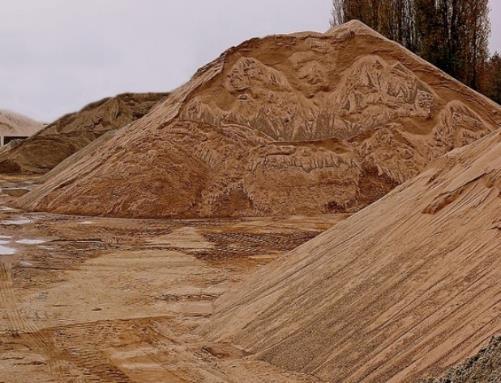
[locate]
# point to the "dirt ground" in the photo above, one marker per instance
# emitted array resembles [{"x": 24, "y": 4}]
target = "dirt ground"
[{"x": 85, "y": 299}]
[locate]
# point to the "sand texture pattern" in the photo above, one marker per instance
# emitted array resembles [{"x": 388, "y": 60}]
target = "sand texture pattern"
[{"x": 402, "y": 289}]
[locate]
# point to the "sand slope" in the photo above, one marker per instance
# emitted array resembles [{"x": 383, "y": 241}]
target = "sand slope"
[
  {"x": 291, "y": 124},
  {"x": 74, "y": 131},
  {"x": 406, "y": 287}
]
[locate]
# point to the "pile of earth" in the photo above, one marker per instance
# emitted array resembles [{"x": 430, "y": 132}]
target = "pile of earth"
[
  {"x": 400, "y": 290},
  {"x": 306, "y": 123},
  {"x": 14, "y": 127},
  {"x": 67, "y": 135},
  {"x": 484, "y": 367},
  {"x": 14, "y": 124}
]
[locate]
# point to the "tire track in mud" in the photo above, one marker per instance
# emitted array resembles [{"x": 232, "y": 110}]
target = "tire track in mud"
[
  {"x": 241, "y": 244},
  {"x": 95, "y": 367},
  {"x": 83, "y": 345},
  {"x": 91, "y": 362},
  {"x": 77, "y": 342},
  {"x": 18, "y": 326}
]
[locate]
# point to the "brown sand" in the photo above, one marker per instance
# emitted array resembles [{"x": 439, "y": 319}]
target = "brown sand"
[
  {"x": 119, "y": 300},
  {"x": 307, "y": 123},
  {"x": 74, "y": 131},
  {"x": 406, "y": 287},
  {"x": 292, "y": 124}
]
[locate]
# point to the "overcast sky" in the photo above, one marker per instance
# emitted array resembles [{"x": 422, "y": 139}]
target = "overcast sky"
[{"x": 58, "y": 55}]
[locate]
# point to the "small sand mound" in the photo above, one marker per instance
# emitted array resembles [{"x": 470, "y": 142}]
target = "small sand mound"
[
  {"x": 16, "y": 125},
  {"x": 72, "y": 132}
]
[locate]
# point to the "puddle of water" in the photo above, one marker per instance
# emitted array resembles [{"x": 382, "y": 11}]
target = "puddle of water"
[
  {"x": 16, "y": 221},
  {"x": 5, "y": 237},
  {"x": 4, "y": 250},
  {"x": 25, "y": 264},
  {"x": 27, "y": 241},
  {"x": 86, "y": 222},
  {"x": 4, "y": 242}
]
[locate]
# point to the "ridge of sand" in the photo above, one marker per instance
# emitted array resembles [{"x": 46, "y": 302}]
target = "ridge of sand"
[
  {"x": 406, "y": 287},
  {"x": 306, "y": 123}
]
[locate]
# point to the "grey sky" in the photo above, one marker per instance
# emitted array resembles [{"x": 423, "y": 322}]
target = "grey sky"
[
  {"x": 58, "y": 55},
  {"x": 496, "y": 25}
]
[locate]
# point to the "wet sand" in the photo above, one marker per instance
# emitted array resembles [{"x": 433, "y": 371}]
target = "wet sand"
[{"x": 88, "y": 299}]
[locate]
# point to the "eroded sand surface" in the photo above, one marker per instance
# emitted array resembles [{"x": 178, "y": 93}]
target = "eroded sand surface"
[
  {"x": 120, "y": 300},
  {"x": 306, "y": 124}
]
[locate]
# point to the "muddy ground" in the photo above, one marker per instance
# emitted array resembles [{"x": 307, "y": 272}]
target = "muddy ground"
[{"x": 85, "y": 299}]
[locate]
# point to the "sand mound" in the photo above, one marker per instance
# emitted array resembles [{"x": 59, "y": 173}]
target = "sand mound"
[
  {"x": 15, "y": 125},
  {"x": 72, "y": 132},
  {"x": 290, "y": 124},
  {"x": 406, "y": 287},
  {"x": 485, "y": 367}
]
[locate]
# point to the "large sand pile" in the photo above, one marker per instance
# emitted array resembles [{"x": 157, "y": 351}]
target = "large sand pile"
[
  {"x": 290, "y": 124},
  {"x": 74, "y": 131},
  {"x": 402, "y": 289}
]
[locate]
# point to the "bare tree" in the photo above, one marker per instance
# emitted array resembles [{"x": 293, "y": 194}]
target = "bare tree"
[
  {"x": 491, "y": 83},
  {"x": 337, "y": 12}
]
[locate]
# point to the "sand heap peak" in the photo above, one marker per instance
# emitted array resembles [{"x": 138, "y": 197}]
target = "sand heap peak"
[
  {"x": 353, "y": 27},
  {"x": 290, "y": 124},
  {"x": 18, "y": 124},
  {"x": 400, "y": 290},
  {"x": 74, "y": 131}
]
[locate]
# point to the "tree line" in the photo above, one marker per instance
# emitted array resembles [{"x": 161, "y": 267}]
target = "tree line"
[{"x": 451, "y": 34}]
